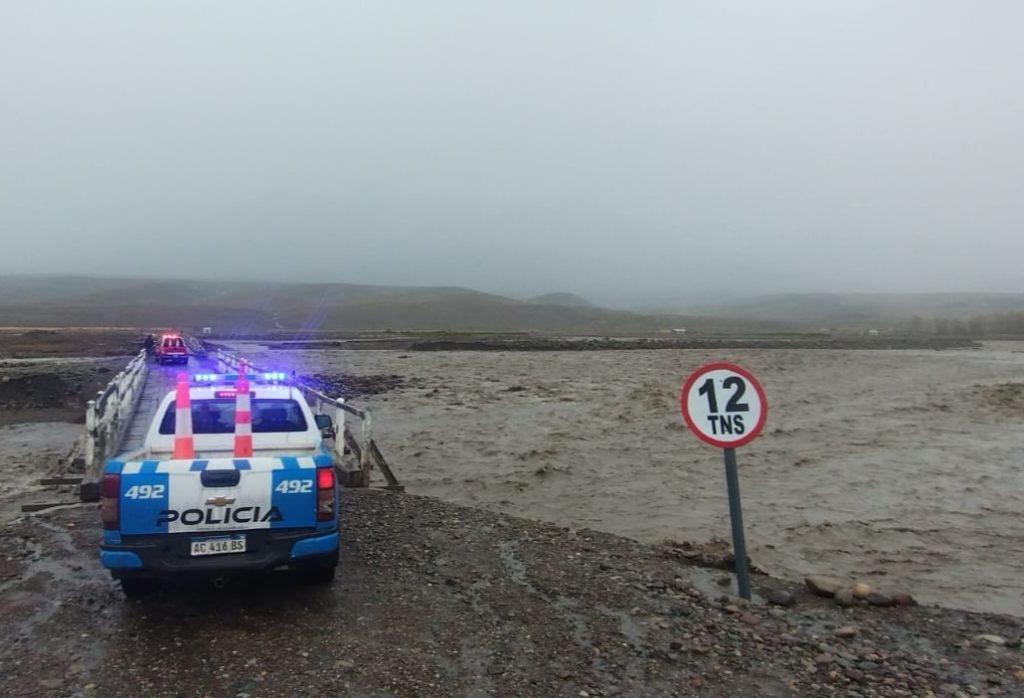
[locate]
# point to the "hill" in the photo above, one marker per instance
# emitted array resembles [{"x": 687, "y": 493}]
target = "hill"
[
  {"x": 859, "y": 310},
  {"x": 242, "y": 307},
  {"x": 568, "y": 300}
]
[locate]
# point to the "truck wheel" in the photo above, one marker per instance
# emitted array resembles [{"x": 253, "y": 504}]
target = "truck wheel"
[
  {"x": 135, "y": 588},
  {"x": 323, "y": 569}
]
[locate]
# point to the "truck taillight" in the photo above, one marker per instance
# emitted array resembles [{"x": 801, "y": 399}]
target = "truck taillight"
[
  {"x": 325, "y": 494},
  {"x": 110, "y": 505}
]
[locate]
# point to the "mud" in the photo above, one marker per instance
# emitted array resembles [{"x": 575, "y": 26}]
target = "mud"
[
  {"x": 29, "y": 452},
  {"x": 351, "y": 386},
  {"x": 433, "y": 599},
  {"x": 67, "y": 342},
  {"x": 901, "y": 467},
  {"x": 52, "y": 389}
]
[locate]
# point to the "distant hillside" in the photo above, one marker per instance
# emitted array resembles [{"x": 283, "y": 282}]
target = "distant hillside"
[
  {"x": 568, "y": 300},
  {"x": 843, "y": 310},
  {"x": 259, "y": 307}
]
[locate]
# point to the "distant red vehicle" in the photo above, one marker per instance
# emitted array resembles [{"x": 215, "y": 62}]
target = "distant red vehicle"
[{"x": 171, "y": 349}]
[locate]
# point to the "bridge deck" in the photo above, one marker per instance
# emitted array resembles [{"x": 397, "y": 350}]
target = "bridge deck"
[{"x": 159, "y": 382}]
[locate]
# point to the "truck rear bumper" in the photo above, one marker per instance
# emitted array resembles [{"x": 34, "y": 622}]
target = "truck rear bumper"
[{"x": 169, "y": 555}]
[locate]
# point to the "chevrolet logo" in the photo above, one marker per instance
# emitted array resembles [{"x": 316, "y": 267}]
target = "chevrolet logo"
[{"x": 220, "y": 500}]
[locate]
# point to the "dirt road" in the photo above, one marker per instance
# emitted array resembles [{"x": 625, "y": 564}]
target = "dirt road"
[{"x": 438, "y": 600}]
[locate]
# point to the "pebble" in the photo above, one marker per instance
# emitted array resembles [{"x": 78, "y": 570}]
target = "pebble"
[
  {"x": 844, "y": 597},
  {"x": 854, "y": 674},
  {"x": 860, "y": 590},
  {"x": 846, "y": 631},
  {"x": 901, "y": 598},
  {"x": 990, "y": 639},
  {"x": 781, "y": 598},
  {"x": 823, "y": 586},
  {"x": 877, "y": 598}
]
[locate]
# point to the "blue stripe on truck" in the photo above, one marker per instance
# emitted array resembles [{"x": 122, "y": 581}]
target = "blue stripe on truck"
[
  {"x": 120, "y": 559},
  {"x": 140, "y": 512},
  {"x": 321, "y": 545},
  {"x": 293, "y": 492}
]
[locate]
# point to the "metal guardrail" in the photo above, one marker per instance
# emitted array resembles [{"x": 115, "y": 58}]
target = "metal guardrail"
[
  {"x": 107, "y": 417},
  {"x": 364, "y": 449}
]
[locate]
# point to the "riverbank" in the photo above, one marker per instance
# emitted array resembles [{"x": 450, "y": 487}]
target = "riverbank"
[{"x": 434, "y": 599}]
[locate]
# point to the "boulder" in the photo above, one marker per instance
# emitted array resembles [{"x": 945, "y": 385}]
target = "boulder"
[{"x": 824, "y": 586}]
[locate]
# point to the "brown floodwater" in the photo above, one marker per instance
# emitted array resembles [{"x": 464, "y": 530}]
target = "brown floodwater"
[{"x": 902, "y": 468}]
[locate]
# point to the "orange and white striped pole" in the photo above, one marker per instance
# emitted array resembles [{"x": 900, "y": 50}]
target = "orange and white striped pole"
[
  {"x": 243, "y": 415},
  {"x": 184, "y": 446}
]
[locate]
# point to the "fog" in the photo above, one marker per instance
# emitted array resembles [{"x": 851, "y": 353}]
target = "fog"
[{"x": 630, "y": 152}]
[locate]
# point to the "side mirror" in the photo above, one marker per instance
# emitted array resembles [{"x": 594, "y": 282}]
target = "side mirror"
[{"x": 326, "y": 426}]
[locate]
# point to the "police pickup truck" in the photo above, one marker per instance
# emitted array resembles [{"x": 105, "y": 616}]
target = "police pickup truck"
[{"x": 216, "y": 514}]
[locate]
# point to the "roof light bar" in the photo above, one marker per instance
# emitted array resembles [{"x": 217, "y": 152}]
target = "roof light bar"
[{"x": 269, "y": 377}]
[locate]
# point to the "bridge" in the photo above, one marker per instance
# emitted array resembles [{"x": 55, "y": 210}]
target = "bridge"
[{"x": 118, "y": 418}]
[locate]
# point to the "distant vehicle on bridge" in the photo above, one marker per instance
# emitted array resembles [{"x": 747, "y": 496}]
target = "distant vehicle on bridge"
[{"x": 171, "y": 349}]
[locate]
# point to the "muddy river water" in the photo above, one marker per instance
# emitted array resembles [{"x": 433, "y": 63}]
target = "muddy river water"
[{"x": 899, "y": 467}]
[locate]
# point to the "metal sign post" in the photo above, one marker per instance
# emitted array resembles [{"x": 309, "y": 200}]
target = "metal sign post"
[
  {"x": 725, "y": 406},
  {"x": 739, "y": 543}
]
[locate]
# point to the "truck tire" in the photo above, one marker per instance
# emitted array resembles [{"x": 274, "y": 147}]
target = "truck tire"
[{"x": 322, "y": 570}]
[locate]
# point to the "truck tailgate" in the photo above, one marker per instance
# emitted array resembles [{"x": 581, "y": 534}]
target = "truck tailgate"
[{"x": 221, "y": 494}]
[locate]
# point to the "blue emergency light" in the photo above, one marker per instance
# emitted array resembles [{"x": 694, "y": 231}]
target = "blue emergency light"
[{"x": 269, "y": 377}]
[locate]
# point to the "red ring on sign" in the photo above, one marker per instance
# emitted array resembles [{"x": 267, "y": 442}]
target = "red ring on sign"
[{"x": 749, "y": 377}]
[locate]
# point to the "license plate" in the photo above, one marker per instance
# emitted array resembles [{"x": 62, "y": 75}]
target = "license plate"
[{"x": 219, "y": 546}]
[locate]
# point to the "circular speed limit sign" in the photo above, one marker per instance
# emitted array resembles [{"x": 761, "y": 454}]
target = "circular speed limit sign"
[{"x": 724, "y": 405}]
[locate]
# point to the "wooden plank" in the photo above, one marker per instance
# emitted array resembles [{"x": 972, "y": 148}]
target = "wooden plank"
[
  {"x": 60, "y": 480},
  {"x": 378, "y": 458},
  {"x": 39, "y": 506}
]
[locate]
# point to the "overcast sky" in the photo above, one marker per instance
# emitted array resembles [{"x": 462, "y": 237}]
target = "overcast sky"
[{"x": 628, "y": 151}]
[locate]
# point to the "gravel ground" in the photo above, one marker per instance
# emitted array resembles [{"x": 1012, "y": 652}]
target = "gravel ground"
[{"x": 434, "y": 599}]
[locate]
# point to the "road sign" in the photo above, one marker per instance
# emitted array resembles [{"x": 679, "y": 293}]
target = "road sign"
[{"x": 724, "y": 405}]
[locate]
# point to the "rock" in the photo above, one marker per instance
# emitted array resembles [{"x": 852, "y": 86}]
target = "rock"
[
  {"x": 860, "y": 590},
  {"x": 989, "y": 640},
  {"x": 675, "y": 645},
  {"x": 749, "y": 619},
  {"x": 1019, "y": 674},
  {"x": 824, "y": 658},
  {"x": 781, "y": 598},
  {"x": 51, "y": 683},
  {"x": 680, "y": 584},
  {"x": 823, "y": 586},
  {"x": 877, "y": 598},
  {"x": 844, "y": 597},
  {"x": 854, "y": 674},
  {"x": 901, "y": 598},
  {"x": 846, "y": 631},
  {"x": 722, "y": 581}
]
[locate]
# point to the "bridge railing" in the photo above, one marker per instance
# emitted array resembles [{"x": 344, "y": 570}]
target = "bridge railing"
[
  {"x": 107, "y": 416},
  {"x": 364, "y": 449}
]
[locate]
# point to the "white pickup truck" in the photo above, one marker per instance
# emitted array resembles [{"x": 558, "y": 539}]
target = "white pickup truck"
[{"x": 216, "y": 514}]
